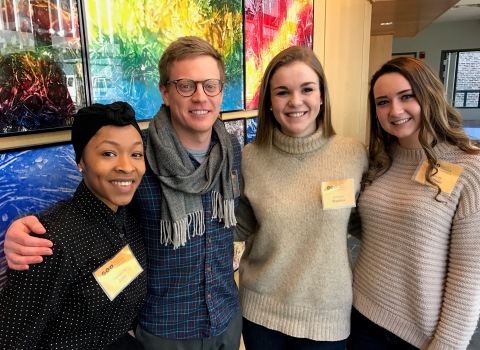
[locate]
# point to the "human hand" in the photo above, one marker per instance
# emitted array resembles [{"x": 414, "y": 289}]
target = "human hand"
[{"x": 22, "y": 249}]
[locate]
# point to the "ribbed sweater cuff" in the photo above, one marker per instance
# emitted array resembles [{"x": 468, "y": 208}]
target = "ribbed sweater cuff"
[{"x": 300, "y": 322}]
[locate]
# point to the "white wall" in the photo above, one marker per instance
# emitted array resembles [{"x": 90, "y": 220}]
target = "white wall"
[{"x": 443, "y": 36}]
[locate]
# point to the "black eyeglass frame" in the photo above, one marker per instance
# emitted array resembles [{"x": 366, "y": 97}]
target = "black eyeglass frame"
[{"x": 221, "y": 85}]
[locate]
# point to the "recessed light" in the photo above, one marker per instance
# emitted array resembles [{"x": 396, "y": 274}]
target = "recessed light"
[
  {"x": 462, "y": 6},
  {"x": 386, "y": 23}
]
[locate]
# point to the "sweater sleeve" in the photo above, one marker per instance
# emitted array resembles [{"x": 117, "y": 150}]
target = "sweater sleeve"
[
  {"x": 246, "y": 221},
  {"x": 461, "y": 298}
]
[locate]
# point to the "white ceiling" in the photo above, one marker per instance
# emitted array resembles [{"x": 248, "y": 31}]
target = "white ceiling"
[{"x": 462, "y": 11}]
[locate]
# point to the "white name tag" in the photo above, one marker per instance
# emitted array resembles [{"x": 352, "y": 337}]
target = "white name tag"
[
  {"x": 446, "y": 176},
  {"x": 117, "y": 273},
  {"x": 338, "y": 194}
]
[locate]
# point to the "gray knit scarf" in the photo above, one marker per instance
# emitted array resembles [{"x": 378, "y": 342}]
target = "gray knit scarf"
[{"x": 182, "y": 185}]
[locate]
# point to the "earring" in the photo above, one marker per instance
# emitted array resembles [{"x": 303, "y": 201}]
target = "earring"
[{"x": 80, "y": 169}]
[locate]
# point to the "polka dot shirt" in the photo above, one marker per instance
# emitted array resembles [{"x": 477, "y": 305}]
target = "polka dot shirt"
[{"x": 58, "y": 304}]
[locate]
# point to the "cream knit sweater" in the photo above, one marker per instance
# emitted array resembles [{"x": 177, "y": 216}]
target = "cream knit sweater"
[
  {"x": 418, "y": 271},
  {"x": 295, "y": 274}
]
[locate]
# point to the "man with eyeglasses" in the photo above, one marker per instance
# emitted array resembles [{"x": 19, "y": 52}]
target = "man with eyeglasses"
[{"x": 186, "y": 203}]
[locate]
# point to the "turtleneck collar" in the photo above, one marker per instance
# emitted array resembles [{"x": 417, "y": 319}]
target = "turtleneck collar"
[
  {"x": 298, "y": 145},
  {"x": 407, "y": 154},
  {"x": 417, "y": 155}
]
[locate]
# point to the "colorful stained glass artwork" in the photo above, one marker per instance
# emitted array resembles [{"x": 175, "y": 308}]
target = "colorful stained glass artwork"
[
  {"x": 251, "y": 129},
  {"x": 39, "y": 56},
  {"x": 270, "y": 27},
  {"x": 32, "y": 180},
  {"x": 127, "y": 38},
  {"x": 236, "y": 127}
]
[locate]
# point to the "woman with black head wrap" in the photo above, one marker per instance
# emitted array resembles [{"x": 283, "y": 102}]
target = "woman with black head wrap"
[{"x": 86, "y": 295}]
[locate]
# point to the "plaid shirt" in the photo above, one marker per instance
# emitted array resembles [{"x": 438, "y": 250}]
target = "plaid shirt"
[{"x": 191, "y": 290}]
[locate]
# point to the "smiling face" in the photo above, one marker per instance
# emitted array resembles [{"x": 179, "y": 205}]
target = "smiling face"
[
  {"x": 296, "y": 99},
  {"x": 398, "y": 110},
  {"x": 113, "y": 164},
  {"x": 193, "y": 117}
]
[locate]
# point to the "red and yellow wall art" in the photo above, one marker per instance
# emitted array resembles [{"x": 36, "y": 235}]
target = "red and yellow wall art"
[
  {"x": 126, "y": 38},
  {"x": 270, "y": 27}
]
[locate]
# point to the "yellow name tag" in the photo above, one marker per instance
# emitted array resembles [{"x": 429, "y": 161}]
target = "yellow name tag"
[
  {"x": 338, "y": 194},
  {"x": 446, "y": 177},
  {"x": 117, "y": 273}
]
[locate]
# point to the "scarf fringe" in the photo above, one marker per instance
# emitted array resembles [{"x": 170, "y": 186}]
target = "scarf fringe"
[
  {"x": 223, "y": 209},
  {"x": 178, "y": 232}
]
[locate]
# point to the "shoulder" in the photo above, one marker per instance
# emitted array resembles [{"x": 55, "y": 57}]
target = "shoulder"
[
  {"x": 248, "y": 148},
  {"x": 470, "y": 164},
  {"x": 62, "y": 221},
  {"x": 452, "y": 154},
  {"x": 57, "y": 211},
  {"x": 350, "y": 148},
  {"x": 349, "y": 143},
  {"x": 250, "y": 151},
  {"x": 469, "y": 180}
]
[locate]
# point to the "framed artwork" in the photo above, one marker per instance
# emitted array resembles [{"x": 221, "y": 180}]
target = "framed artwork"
[
  {"x": 236, "y": 127},
  {"x": 31, "y": 181},
  {"x": 251, "y": 129},
  {"x": 48, "y": 48},
  {"x": 36, "y": 178},
  {"x": 127, "y": 38},
  {"x": 270, "y": 27},
  {"x": 41, "y": 80}
]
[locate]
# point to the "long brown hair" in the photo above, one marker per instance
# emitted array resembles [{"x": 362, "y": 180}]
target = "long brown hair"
[
  {"x": 440, "y": 122},
  {"x": 266, "y": 119}
]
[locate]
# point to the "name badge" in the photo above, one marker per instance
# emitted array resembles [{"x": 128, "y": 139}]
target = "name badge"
[
  {"x": 446, "y": 177},
  {"x": 117, "y": 273},
  {"x": 338, "y": 194}
]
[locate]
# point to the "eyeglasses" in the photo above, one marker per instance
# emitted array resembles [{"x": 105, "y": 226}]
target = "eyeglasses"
[{"x": 187, "y": 87}]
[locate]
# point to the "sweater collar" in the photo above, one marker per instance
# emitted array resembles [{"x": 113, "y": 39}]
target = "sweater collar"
[
  {"x": 417, "y": 155},
  {"x": 298, "y": 145},
  {"x": 406, "y": 154}
]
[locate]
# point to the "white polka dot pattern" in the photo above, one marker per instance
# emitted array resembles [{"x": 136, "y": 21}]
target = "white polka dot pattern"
[{"x": 58, "y": 304}]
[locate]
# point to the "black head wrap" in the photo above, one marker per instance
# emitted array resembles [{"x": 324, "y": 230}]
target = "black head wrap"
[{"x": 89, "y": 120}]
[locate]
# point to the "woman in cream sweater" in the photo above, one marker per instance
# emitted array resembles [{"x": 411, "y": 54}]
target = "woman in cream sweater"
[{"x": 300, "y": 181}]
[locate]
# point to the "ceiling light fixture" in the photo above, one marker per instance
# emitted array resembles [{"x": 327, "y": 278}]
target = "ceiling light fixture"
[{"x": 468, "y": 5}]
